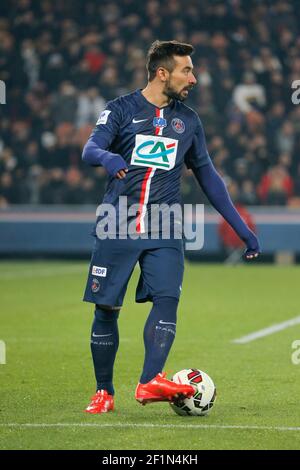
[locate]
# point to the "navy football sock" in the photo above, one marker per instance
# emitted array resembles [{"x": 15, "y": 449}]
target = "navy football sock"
[
  {"x": 104, "y": 346},
  {"x": 159, "y": 334}
]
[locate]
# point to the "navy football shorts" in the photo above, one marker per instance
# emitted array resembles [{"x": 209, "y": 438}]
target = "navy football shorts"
[{"x": 161, "y": 264}]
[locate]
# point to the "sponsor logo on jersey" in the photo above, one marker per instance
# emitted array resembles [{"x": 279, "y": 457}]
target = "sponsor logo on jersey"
[
  {"x": 159, "y": 122},
  {"x": 136, "y": 121},
  {"x": 103, "y": 117},
  {"x": 99, "y": 271},
  {"x": 178, "y": 125},
  {"x": 154, "y": 151}
]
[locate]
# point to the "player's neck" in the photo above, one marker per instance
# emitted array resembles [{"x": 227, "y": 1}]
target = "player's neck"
[{"x": 155, "y": 96}]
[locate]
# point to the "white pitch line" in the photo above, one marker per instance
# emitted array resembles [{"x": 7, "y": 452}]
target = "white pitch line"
[
  {"x": 267, "y": 331},
  {"x": 149, "y": 425}
]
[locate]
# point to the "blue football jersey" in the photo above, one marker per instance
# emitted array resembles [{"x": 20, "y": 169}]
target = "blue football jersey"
[{"x": 155, "y": 143}]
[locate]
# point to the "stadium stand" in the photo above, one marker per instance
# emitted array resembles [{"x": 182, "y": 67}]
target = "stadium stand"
[{"x": 62, "y": 61}]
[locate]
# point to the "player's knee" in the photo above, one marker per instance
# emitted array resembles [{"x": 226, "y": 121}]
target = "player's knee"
[
  {"x": 166, "y": 308},
  {"x": 105, "y": 314},
  {"x": 165, "y": 301}
]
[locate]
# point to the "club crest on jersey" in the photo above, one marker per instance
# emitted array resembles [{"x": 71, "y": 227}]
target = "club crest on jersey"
[
  {"x": 159, "y": 122},
  {"x": 95, "y": 286},
  {"x": 154, "y": 151},
  {"x": 178, "y": 125}
]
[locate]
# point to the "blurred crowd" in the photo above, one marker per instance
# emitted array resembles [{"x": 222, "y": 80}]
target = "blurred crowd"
[{"x": 62, "y": 61}]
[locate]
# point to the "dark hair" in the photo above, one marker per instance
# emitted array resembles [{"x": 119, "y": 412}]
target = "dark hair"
[{"x": 161, "y": 54}]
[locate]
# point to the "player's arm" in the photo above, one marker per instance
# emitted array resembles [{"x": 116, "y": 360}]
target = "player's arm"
[
  {"x": 95, "y": 151},
  {"x": 213, "y": 186}
]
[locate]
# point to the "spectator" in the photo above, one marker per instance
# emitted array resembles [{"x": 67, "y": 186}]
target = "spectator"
[
  {"x": 65, "y": 104},
  {"x": 249, "y": 95},
  {"x": 73, "y": 193},
  {"x": 90, "y": 106},
  {"x": 52, "y": 187},
  {"x": 286, "y": 138},
  {"x": 248, "y": 195},
  {"x": 61, "y": 65},
  {"x": 7, "y": 191},
  {"x": 276, "y": 186}
]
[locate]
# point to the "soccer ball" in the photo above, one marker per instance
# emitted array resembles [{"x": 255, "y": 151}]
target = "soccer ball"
[{"x": 203, "y": 399}]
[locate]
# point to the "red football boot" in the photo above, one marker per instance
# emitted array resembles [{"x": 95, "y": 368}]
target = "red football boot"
[
  {"x": 162, "y": 389},
  {"x": 101, "y": 402}
]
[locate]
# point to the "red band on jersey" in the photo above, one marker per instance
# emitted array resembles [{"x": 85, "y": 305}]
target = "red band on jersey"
[
  {"x": 142, "y": 199},
  {"x": 145, "y": 190},
  {"x": 157, "y": 114}
]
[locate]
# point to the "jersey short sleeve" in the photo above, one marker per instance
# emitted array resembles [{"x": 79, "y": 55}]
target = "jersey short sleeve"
[
  {"x": 197, "y": 155},
  {"x": 108, "y": 125}
]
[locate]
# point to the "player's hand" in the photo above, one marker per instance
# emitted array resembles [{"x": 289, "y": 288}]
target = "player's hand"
[
  {"x": 115, "y": 165},
  {"x": 253, "y": 249},
  {"x": 121, "y": 174}
]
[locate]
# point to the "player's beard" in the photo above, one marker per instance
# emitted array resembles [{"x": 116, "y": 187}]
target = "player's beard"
[{"x": 171, "y": 93}]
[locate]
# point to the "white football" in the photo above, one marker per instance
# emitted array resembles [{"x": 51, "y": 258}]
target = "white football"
[{"x": 204, "y": 397}]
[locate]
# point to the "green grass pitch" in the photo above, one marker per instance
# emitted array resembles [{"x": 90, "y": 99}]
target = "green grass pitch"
[{"x": 48, "y": 377}]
